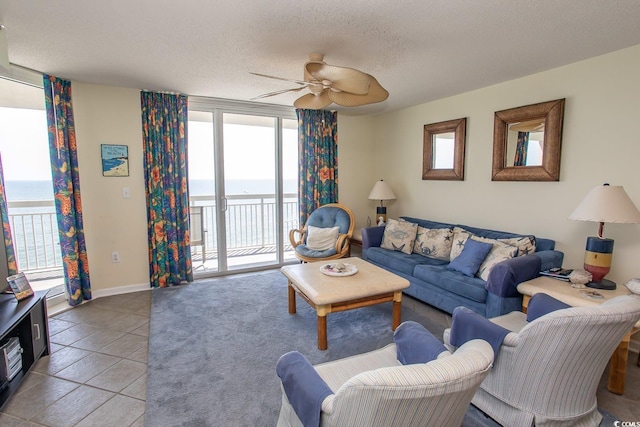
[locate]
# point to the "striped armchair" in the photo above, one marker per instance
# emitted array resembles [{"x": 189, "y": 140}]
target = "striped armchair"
[
  {"x": 375, "y": 390},
  {"x": 547, "y": 370}
]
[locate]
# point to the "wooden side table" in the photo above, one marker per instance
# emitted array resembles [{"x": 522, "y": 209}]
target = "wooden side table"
[{"x": 564, "y": 292}]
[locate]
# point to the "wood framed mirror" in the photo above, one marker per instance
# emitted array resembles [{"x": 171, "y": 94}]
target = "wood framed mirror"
[
  {"x": 527, "y": 142},
  {"x": 443, "y": 150}
]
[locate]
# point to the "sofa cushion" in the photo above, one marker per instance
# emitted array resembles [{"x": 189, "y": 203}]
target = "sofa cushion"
[
  {"x": 399, "y": 261},
  {"x": 399, "y": 236},
  {"x": 471, "y": 288},
  {"x": 471, "y": 257},
  {"x": 433, "y": 242},
  {"x": 499, "y": 252},
  {"x": 460, "y": 237},
  {"x": 526, "y": 244}
]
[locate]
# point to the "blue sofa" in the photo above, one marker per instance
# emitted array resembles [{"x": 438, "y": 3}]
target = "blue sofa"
[{"x": 432, "y": 282}]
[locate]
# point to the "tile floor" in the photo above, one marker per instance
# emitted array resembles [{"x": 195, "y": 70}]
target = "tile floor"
[
  {"x": 97, "y": 372},
  {"x": 99, "y": 361}
]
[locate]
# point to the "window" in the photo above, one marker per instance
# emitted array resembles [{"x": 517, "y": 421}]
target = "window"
[{"x": 24, "y": 147}]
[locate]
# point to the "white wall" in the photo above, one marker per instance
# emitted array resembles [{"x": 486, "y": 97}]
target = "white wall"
[
  {"x": 356, "y": 166},
  {"x": 600, "y": 144},
  {"x": 111, "y": 115}
]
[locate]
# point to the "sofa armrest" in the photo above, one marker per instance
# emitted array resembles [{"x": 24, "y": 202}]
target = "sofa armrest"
[
  {"x": 305, "y": 389},
  {"x": 550, "y": 259},
  {"x": 372, "y": 237},
  {"x": 507, "y": 275}
]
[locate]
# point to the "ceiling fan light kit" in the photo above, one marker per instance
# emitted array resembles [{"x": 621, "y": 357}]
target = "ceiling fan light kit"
[{"x": 330, "y": 84}]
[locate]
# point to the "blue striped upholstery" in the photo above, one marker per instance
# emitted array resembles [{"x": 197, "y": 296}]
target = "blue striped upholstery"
[
  {"x": 374, "y": 390},
  {"x": 547, "y": 371}
]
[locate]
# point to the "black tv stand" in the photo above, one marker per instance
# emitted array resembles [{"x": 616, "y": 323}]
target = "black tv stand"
[{"x": 27, "y": 320}]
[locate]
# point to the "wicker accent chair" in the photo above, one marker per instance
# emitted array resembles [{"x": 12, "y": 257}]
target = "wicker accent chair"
[
  {"x": 547, "y": 370},
  {"x": 325, "y": 217}
]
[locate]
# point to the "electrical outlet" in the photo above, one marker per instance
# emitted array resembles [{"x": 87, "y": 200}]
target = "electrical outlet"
[{"x": 115, "y": 256}]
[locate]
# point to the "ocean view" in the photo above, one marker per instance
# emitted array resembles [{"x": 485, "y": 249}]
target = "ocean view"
[{"x": 35, "y": 233}]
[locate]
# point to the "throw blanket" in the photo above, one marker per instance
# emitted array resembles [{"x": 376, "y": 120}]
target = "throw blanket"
[
  {"x": 468, "y": 325},
  {"x": 415, "y": 344},
  {"x": 516, "y": 271},
  {"x": 303, "y": 386}
]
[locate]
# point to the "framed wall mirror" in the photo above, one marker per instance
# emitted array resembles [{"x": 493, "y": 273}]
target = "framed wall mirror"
[
  {"x": 443, "y": 150},
  {"x": 527, "y": 142}
]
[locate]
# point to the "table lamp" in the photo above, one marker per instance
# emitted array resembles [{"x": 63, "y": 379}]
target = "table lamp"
[
  {"x": 605, "y": 203},
  {"x": 381, "y": 191}
]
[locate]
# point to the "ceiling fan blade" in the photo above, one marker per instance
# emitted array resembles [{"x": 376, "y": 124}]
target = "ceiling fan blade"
[
  {"x": 341, "y": 78},
  {"x": 313, "y": 102},
  {"x": 376, "y": 94},
  {"x": 528, "y": 126},
  {"x": 278, "y": 92},
  {"x": 300, "y": 82}
]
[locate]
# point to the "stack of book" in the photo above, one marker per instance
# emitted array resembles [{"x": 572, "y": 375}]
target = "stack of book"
[{"x": 557, "y": 273}]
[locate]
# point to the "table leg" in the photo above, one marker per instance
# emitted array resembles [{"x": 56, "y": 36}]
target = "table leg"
[
  {"x": 397, "y": 310},
  {"x": 322, "y": 332},
  {"x": 618, "y": 366},
  {"x": 292, "y": 300}
]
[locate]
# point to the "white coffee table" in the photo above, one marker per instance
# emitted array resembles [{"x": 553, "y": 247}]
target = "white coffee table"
[
  {"x": 329, "y": 294},
  {"x": 564, "y": 292}
]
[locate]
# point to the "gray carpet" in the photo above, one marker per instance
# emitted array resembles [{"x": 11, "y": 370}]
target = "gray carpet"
[{"x": 214, "y": 344}]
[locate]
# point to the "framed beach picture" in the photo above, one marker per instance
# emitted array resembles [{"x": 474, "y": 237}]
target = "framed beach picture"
[{"x": 115, "y": 160}]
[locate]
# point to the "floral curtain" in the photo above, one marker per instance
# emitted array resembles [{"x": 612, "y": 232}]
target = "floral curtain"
[
  {"x": 164, "y": 129},
  {"x": 66, "y": 188},
  {"x": 317, "y": 160},
  {"x": 521, "y": 149},
  {"x": 12, "y": 266}
]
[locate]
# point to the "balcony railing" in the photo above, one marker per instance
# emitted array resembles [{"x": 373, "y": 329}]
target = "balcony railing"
[{"x": 250, "y": 226}]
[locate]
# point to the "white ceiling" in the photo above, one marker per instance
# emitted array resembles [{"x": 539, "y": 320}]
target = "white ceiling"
[{"x": 419, "y": 50}]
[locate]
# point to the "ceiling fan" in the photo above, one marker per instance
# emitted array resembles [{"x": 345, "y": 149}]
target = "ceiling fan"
[{"x": 329, "y": 84}]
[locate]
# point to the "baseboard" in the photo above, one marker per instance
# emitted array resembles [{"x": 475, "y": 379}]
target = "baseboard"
[
  {"x": 60, "y": 306},
  {"x": 120, "y": 290}
]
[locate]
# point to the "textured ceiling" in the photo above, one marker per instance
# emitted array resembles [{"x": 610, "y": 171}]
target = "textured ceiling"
[{"x": 418, "y": 50}]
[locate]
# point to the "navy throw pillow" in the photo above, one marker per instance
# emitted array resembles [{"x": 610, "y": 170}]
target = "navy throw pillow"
[
  {"x": 541, "y": 304},
  {"x": 415, "y": 344},
  {"x": 471, "y": 257}
]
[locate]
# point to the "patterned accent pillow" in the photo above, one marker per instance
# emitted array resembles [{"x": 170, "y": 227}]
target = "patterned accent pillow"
[
  {"x": 399, "y": 236},
  {"x": 526, "y": 244},
  {"x": 460, "y": 236},
  {"x": 500, "y": 252},
  {"x": 433, "y": 242}
]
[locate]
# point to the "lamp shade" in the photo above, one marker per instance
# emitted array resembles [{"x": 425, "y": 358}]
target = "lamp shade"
[
  {"x": 382, "y": 191},
  {"x": 607, "y": 203}
]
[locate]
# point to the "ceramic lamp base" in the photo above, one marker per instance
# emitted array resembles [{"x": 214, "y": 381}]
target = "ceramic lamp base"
[
  {"x": 381, "y": 214},
  {"x": 597, "y": 258}
]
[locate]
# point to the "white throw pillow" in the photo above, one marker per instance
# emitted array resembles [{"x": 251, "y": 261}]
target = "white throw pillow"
[
  {"x": 500, "y": 252},
  {"x": 399, "y": 236},
  {"x": 460, "y": 237},
  {"x": 433, "y": 242},
  {"x": 321, "y": 239},
  {"x": 526, "y": 244}
]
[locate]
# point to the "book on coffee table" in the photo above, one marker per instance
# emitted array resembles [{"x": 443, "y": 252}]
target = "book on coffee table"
[{"x": 557, "y": 273}]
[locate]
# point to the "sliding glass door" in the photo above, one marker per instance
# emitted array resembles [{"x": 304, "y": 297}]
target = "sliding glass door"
[{"x": 243, "y": 189}]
